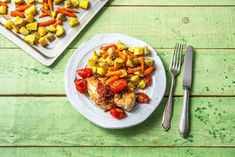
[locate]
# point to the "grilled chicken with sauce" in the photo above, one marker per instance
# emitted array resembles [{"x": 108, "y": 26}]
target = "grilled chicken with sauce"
[
  {"x": 92, "y": 84},
  {"x": 125, "y": 100}
]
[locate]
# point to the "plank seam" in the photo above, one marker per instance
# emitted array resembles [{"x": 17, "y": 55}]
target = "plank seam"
[{"x": 89, "y": 146}]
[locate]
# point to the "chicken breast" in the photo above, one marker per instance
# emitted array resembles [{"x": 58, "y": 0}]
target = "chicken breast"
[
  {"x": 92, "y": 84},
  {"x": 126, "y": 100}
]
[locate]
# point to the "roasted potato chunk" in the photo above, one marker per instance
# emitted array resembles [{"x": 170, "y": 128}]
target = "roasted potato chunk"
[
  {"x": 43, "y": 41},
  {"x": 32, "y": 26},
  {"x": 73, "y": 21},
  {"x": 59, "y": 31},
  {"x": 31, "y": 39}
]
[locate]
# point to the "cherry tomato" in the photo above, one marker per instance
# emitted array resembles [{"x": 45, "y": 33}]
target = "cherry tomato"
[
  {"x": 81, "y": 85},
  {"x": 104, "y": 91},
  {"x": 118, "y": 85},
  {"x": 148, "y": 79},
  {"x": 117, "y": 113},
  {"x": 142, "y": 97},
  {"x": 84, "y": 73}
]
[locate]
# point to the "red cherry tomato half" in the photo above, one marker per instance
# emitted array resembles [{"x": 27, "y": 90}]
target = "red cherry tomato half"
[
  {"x": 81, "y": 85},
  {"x": 148, "y": 79},
  {"x": 118, "y": 113},
  {"x": 84, "y": 73},
  {"x": 118, "y": 85},
  {"x": 142, "y": 98}
]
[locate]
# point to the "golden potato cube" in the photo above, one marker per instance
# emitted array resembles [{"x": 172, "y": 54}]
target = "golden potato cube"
[
  {"x": 31, "y": 11},
  {"x": 84, "y": 4},
  {"x": 73, "y": 21},
  {"x": 3, "y": 9},
  {"x": 67, "y": 4},
  {"x": 51, "y": 28},
  {"x": 43, "y": 41},
  {"x": 31, "y": 1},
  {"x": 30, "y": 39},
  {"x": 30, "y": 18},
  {"x": 19, "y": 20},
  {"x": 24, "y": 31},
  {"x": 59, "y": 31},
  {"x": 75, "y": 3},
  {"x": 8, "y": 24},
  {"x": 142, "y": 84},
  {"x": 42, "y": 31},
  {"x": 32, "y": 26},
  {"x": 138, "y": 51},
  {"x": 121, "y": 46},
  {"x": 101, "y": 71}
]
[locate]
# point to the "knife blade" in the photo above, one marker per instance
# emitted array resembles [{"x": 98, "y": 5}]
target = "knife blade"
[
  {"x": 187, "y": 79},
  {"x": 187, "y": 85}
]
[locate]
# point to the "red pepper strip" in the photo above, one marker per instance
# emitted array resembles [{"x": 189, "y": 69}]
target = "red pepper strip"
[
  {"x": 66, "y": 9},
  {"x": 23, "y": 7},
  {"x": 66, "y": 13},
  {"x": 57, "y": 23},
  {"x": 47, "y": 23},
  {"x": 17, "y": 13}
]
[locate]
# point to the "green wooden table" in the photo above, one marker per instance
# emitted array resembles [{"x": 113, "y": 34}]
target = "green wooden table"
[{"x": 37, "y": 120}]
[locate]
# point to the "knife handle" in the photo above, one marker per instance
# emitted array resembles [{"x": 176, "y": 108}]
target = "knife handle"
[{"x": 184, "y": 118}]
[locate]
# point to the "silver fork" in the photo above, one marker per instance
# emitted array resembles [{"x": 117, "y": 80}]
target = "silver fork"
[{"x": 174, "y": 70}]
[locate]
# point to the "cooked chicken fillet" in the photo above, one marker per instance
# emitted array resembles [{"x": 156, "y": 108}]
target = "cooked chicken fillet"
[
  {"x": 92, "y": 84},
  {"x": 126, "y": 101}
]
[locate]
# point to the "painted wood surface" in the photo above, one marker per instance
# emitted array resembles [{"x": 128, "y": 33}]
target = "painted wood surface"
[
  {"x": 163, "y": 27},
  {"x": 214, "y": 73},
  {"x": 51, "y": 121},
  {"x": 175, "y": 2},
  {"x": 115, "y": 152},
  {"x": 36, "y": 118}
]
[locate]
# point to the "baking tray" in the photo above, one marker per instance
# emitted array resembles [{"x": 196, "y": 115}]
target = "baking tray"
[{"x": 47, "y": 55}]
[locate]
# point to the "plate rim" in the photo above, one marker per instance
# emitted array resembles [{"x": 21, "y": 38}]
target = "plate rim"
[{"x": 72, "y": 101}]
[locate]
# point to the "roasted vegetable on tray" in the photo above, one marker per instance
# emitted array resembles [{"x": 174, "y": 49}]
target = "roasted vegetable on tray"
[
  {"x": 42, "y": 16},
  {"x": 114, "y": 76}
]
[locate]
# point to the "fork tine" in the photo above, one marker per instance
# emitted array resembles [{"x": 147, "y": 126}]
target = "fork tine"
[{"x": 174, "y": 56}]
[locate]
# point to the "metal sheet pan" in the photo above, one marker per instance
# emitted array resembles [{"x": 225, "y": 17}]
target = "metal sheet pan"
[{"x": 47, "y": 55}]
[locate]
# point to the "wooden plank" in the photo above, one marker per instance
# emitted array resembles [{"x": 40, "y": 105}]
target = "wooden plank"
[
  {"x": 163, "y": 27},
  {"x": 214, "y": 73},
  {"x": 115, "y": 152},
  {"x": 175, "y": 2},
  {"x": 52, "y": 121}
]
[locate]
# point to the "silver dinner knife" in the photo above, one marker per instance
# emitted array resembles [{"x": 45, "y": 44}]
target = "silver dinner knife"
[{"x": 187, "y": 83}]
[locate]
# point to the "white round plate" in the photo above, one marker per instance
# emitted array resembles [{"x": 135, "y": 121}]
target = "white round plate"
[{"x": 87, "y": 107}]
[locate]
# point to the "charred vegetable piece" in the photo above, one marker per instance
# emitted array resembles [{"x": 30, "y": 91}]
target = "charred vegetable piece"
[
  {"x": 43, "y": 41},
  {"x": 142, "y": 97},
  {"x": 117, "y": 113}
]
